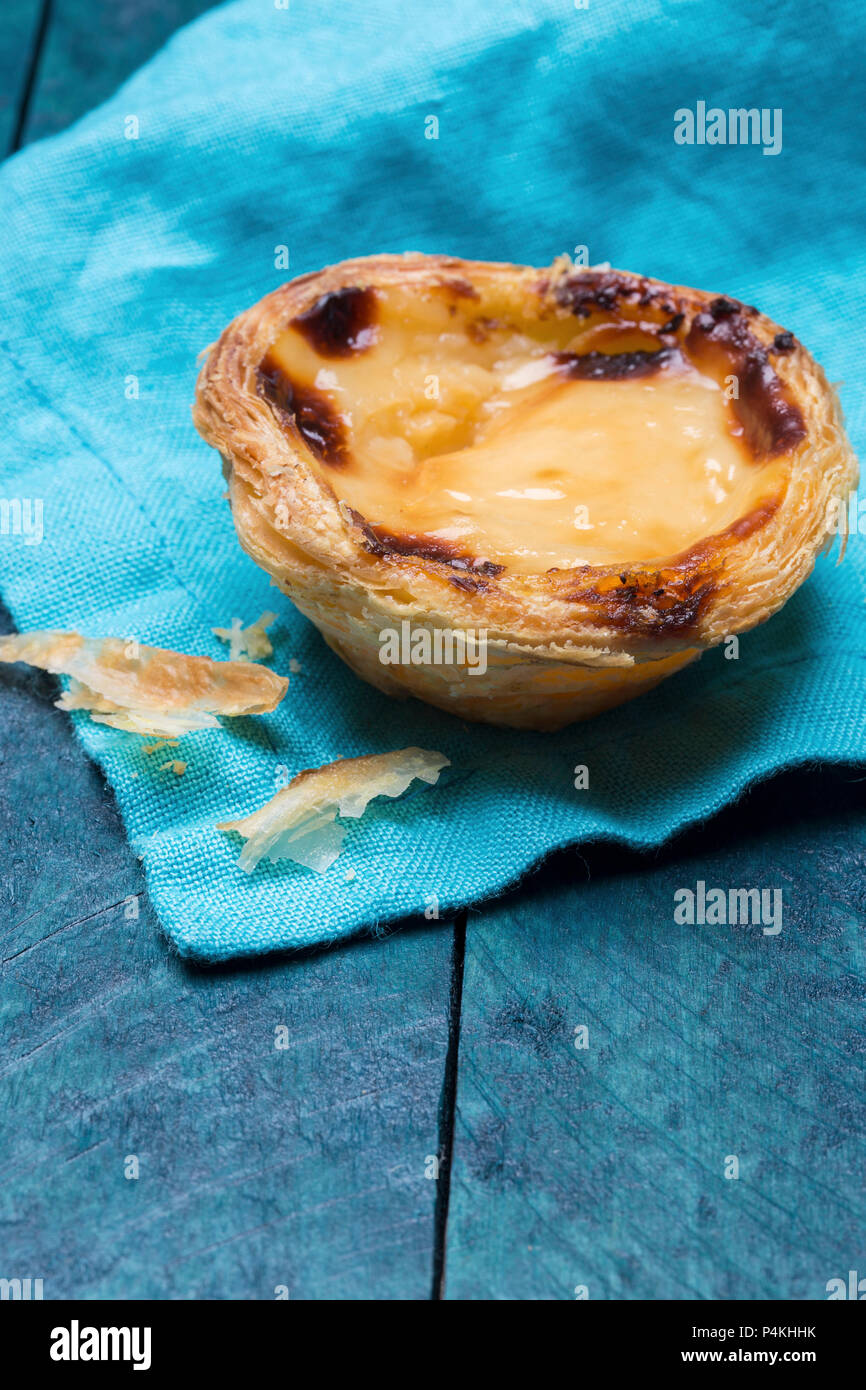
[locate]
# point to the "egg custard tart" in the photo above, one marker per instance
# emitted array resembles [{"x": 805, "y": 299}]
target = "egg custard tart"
[{"x": 522, "y": 495}]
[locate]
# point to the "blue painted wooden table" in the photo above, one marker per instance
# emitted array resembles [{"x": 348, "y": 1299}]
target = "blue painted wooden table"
[{"x": 559, "y": 1095}]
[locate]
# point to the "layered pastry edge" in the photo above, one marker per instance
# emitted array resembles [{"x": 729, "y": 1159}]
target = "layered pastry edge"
[{"x": 353, "y": 578}]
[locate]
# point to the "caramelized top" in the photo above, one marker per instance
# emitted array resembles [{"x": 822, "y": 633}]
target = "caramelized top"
[{"x": 609, "y": 428}]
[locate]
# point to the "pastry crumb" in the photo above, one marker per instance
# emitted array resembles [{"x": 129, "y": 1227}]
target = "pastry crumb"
[
  {"x": 251, "y": 642},
  {"x": 160, "y": 744}
]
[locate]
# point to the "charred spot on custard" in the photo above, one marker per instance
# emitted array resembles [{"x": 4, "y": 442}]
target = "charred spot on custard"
[
  {"x": 667, "y": 601},
  {"x": 480, "y": 330},
  {"x": 341, "y": 323},
  {"x": 718, "y": 339},
  {"x": 468, "y": 583},
  {"x": 590, "y": 290},
  {"x": 646, "y": 603},
  {"x": 632, "y": 300},
  {"x": 305, "y": 408},
  {"x": 722, "y": 341},
  {"x": 378, "y": 540},
  {"x": 586, "y": 292},
  {"x": 614, "y": 366},
  {"x": 459, "y": 288}
]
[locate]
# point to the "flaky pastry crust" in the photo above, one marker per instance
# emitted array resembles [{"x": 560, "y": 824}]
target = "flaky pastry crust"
[{"x": 568, "y": 643}]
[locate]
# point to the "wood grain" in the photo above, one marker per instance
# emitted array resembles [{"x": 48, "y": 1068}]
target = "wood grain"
[
  {"x": 260, "y": 1168},
  {"x": 304, "y": 1167},
  {"x": 605, "y": 1167},
  {"x": 91, "y": 47},
  {"x": 20, "y": 27}
]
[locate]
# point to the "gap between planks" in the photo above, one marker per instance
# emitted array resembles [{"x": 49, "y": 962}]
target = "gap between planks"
[
  {"x": 448, "y": 1105},
  {"x": 26, "y": 97}
]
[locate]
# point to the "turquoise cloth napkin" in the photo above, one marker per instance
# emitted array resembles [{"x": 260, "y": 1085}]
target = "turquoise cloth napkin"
[{"x": 131, "y": 240}]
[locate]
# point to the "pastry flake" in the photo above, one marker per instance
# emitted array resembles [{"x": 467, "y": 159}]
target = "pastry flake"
[
  {"x": 146, "y": 690},
  {"x": 299, "y": 823}
]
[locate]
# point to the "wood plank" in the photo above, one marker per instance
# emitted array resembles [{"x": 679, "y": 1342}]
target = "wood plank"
[
  {"x": 260, "y": 1167},
  {"x": 605, "y": 1167},
  {"x": 303, "y": 1166},
  {"x": 92, "y": 46},
  {"x": 20, "y": 27}
]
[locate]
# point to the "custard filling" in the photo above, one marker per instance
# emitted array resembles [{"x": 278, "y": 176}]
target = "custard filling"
[{"x": 517, "y": 444}]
